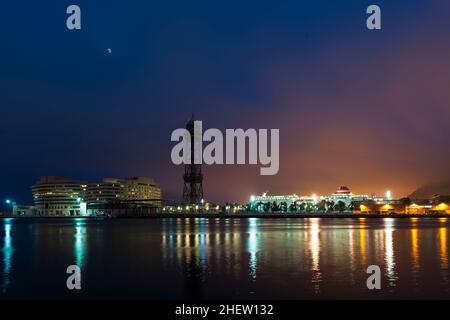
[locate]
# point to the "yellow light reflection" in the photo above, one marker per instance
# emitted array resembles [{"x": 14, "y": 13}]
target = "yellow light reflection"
[
  {"x": 443, "y": 248},
  {"x": 389, "y": 250},
  {"x": 362, "y": 240},
  {"x": 443, "y": 256},
  {"x": 351, "y": 245},
  {"x": 314, "y": 247},
  {"x": 415, "y": 249}
]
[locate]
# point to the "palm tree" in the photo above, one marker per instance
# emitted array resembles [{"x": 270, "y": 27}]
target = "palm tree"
[
  {"x": 301, "y": 207},
  {"x": 351, "y": 206},
  {"x": 292, "y": 207},
  {"x": 275, "y": 207},
  {"x": 322, "y": 205},
  {"x": 330, "y": 206},
  {"x": 340, "y": 206}
]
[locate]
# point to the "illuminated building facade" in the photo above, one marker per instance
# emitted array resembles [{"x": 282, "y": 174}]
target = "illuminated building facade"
[
  {"x": 441, "y": 204},
  {"x": 59, "y": 196},
  {"x": 65, "y": 197},
  {"x": 110, "y": 190},
  {"x": 342, "y": 196},
  {"x": 418, "y": 207},
  {"x": 264, "y": 198},
  {"x": 135, "y": 196},
  {"x": 378, "y": 207},
  {"x": 436, "y": 205},
  {"x": 23, "y": 211}
]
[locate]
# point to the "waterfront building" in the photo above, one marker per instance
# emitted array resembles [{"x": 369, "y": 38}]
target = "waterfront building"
[
  {"x": 142, "y": 189},
  {"x": 341, "y": 200},
  {"x": 377, "y": 207},
  {"x": 264, "y": 198},
  {"x": 441, "y": 208},
  {"x": 344, "y": 195},
  {"x": 129, "y": 196},
  {"x": 404, "y": 206},
  {"x": 20, "y": 210},
  {"x": 418, "y": 207},
  {"x": 441, "y": 204},
  {"x": 59, "y": 196}
]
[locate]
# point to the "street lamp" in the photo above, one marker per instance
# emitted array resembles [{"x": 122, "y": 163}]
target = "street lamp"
[{"x": 10, "y": 203}]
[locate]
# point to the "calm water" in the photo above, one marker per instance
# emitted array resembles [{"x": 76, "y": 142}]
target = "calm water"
[{"x": 225, "y": 258}]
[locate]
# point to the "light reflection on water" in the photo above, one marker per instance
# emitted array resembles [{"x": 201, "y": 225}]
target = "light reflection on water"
[
  {"x": 415, "y": 264},
  {"x": 443, "y": 254},
  {"x": 389, "y": 224},
  {"x": 362, "y": 242},
  {"x": 314, "y": 247},
  {"x": 226, "y": 258},
  {"x": 252, "y": 246},
  {"x": 7, "y": 253},
  {"x": 80, "y": 244}
]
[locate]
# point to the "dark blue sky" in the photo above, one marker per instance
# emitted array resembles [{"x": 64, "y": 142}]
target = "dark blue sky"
[{"x": 368, "y": 109}]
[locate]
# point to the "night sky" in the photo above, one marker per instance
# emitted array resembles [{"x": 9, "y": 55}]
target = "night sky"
[{"x": 365, "y": 109}]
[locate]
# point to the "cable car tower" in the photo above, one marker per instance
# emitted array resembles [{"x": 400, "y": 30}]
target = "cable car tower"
[{"x": 193, "y": 177}]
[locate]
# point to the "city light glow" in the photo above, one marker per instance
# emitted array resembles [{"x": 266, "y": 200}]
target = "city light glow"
[{"x": 388, "y": 194}]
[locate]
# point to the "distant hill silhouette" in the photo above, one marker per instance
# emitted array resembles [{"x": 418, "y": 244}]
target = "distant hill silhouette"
[{"x": 429, "y": 190}]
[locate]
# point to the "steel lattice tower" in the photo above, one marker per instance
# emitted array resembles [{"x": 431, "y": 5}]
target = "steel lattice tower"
[{"x": 193, "y": 177}]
